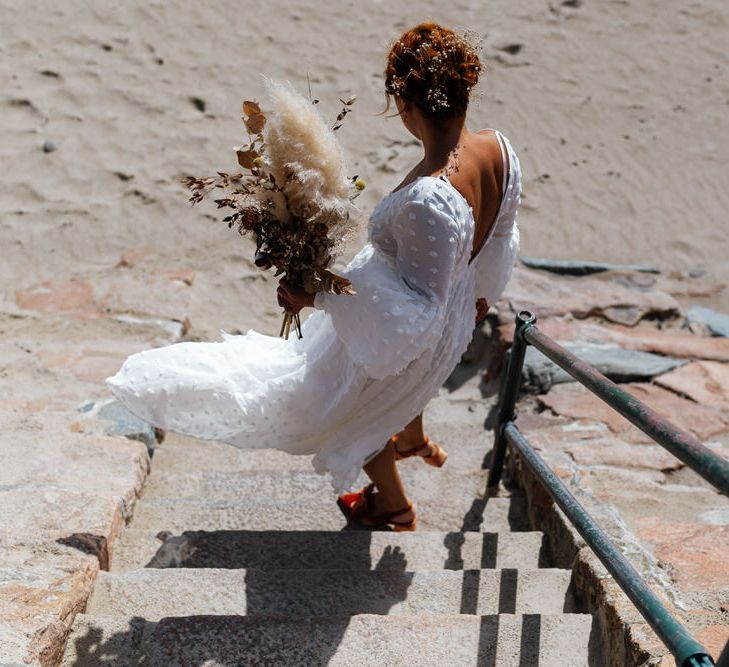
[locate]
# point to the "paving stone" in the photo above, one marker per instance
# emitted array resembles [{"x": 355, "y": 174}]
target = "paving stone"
[
  {"x": 91, "y": 363},
  {"x": 41, "y": 590},
  {"x": 572, "y": 400},
  {"x": 335, "y": 550},
  {"x": 154, "y": 593},
  {"x": 71, "y": 469},
  {"x": 706, "y": 382},
  {"x": 425, "y": 640},
  {"x": 671, "y": 343},
  {"x": 64, "y": 493},
  {"x": 52, "y": 297},
  {"x": 125, "y": 424},
  {"x": 715, "y": 638},
  {"x": 606, "y": 450},
  {"x": 142, "y": 293},
  {"x": 618, "y": 364},
  {"x": 696, "y": 553},
  {"x": 549, "y": 296}
]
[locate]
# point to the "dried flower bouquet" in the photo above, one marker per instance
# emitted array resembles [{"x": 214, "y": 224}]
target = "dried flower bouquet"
[{"x": 292, "y": 197}]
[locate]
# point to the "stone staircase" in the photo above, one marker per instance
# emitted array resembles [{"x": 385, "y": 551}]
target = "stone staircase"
[{"x": 242, "y": 558}]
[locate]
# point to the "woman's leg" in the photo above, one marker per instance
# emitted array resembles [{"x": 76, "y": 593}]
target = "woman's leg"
[
  {"x": 413, "y": 441},
  {"x": 412, "y": 436},
  {"x": 390, "y": 491}
]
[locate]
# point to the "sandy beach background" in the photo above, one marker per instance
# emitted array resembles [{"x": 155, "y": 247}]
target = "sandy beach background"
[{"x": 619, "y": 110}]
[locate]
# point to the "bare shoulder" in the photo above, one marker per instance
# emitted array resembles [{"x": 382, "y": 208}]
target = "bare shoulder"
[{"x": 480, "y": 160}]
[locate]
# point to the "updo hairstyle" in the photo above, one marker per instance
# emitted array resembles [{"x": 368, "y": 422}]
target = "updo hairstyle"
[{"x": 434, "y": 68}]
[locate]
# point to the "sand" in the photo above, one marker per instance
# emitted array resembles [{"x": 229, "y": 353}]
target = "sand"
[{"x": 618, "y": 110}]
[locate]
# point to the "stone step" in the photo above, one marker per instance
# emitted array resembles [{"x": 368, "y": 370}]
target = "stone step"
[
  {"x": 323, "y": 550},
  {"x": 466, "y": 443},
  {"x": 177, "y": 515},
  {"x": 424, "y": 640},
  {"x": 420, "y": 480},
  {"x": 154, "y": 594},
  {"x": 178, "y": 453}
]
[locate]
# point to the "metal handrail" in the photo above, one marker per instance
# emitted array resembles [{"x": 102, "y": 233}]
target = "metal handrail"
[{"x": 685, "y": 649}]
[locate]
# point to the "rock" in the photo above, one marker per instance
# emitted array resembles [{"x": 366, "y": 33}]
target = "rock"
[
  {"x": 49, "y": 146},
  {"x": 706, "y": 382},
  {"x": 582, "y": 267},
  {"x": 573, "y": 400},
  {"x": 551, "y": 296},
  {"x": 715, "y": 322},
  {"x": 619, "y": 364},
  {"x": 126, "y": 424}
]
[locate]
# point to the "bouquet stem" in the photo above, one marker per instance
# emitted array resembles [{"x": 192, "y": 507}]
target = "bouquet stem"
[{"x": 288, "y": 320}]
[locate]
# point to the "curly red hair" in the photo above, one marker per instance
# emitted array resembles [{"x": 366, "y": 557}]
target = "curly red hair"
[{"x": 434, "y": 68}]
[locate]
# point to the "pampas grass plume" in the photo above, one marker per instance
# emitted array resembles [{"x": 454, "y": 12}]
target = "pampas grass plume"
[{"x": 304, "y": 155}]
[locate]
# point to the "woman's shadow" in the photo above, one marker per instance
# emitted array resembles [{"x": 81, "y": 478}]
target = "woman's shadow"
[{"x": 301, "y": 590}]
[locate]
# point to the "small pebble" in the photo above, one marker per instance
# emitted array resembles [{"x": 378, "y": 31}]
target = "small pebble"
[{"x": 49, "y": 146}]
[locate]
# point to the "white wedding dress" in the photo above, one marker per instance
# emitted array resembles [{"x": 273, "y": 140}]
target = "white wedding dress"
[{"x": 367, "y": 364}]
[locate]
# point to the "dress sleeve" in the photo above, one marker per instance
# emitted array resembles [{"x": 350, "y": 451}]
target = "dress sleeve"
[{"x": 398, "y": 313}]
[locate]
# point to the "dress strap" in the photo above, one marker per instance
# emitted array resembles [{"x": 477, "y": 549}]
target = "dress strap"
[
  {"x": 504, "y": 162},
  {"x": 505, "y": 177}
]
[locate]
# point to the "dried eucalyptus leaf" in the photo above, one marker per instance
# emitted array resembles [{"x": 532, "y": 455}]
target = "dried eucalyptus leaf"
[
  {"x": 251, "y": 108},
  {"x": 246, "y": 157},
  {"x": 255, "y": 123}
]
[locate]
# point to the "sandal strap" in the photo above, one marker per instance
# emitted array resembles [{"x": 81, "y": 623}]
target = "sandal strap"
[
  {"x": 383, "y": 518},
  {"x": 414, "y": 451},
  {"x": 357, "y": 503}
]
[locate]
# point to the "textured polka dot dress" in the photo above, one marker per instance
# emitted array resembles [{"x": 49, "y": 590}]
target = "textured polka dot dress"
[{"x": 367, "y": 364}]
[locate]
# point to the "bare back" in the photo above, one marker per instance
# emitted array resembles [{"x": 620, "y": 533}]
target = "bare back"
[
  {"x": 476, "y": 171},
  {"x": 478, "y": 175}
]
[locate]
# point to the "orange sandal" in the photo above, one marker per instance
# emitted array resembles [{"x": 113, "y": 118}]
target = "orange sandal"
[
  {"x": 436, "y": 458},
  {"x": 357, "y": 507}
]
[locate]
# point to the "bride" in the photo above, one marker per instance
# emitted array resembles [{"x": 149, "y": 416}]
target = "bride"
[{"x": 441, "y": 246}]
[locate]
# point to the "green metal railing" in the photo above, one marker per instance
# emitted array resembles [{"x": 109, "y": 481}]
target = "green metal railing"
[{"x": 715, "y": 469}]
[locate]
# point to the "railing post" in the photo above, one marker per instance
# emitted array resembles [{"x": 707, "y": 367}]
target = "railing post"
[{"x": 508, "y": 394}]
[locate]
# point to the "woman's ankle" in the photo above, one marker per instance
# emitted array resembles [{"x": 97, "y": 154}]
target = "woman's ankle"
[
  {"x": 407, "y": 444},
  {"x": 386, "y": 503}
]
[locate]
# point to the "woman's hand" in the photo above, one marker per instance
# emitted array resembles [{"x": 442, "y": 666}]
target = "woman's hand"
[
  {"x": 482, "y": 307},
  {"x": 293, "y": 299}
]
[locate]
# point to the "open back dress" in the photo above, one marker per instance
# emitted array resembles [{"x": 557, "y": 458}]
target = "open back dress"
[{"x": 367, "y": 364}]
